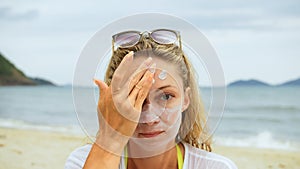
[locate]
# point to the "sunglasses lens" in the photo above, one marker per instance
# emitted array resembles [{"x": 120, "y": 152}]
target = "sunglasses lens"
[
  {"x": 164, "y": 36},
  {"x": 127, "y": 39}
]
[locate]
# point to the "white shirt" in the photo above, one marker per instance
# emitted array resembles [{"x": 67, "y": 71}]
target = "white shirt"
[{"x": 194, "y": 158}]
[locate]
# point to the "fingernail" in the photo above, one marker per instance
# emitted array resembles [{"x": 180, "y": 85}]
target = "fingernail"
[
  {"x": 130, "y": 56},
  {"x": 152, "y": 68},
  {"x": 95, "y": 81},
  {"x": 131, "y": 53},
  {"x": 153, "y": 81},
  {"x": 150, "y": 78},
  {"x": 148, "y": 61}
]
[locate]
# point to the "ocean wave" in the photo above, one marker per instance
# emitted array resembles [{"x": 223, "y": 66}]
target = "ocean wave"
[
  {"x": 272, "y": 108},
  {"x": 18, "y": 124},
  {"x": 262, "y": 140},
  {"x": 259, "y": 118}
]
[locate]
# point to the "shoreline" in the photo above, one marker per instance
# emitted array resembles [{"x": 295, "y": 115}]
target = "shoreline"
[{"x": 24, "y": 148}]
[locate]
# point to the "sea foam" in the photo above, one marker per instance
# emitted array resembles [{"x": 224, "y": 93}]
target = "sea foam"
[{"x": 261, "y": 140}]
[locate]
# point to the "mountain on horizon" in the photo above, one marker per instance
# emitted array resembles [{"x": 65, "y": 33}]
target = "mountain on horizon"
[
  {"x": 250, "y": 82},
  {"x": 253, "y": 82},
  {"x": 10, "y": 75},
  {"x": 295, "y": 82}
]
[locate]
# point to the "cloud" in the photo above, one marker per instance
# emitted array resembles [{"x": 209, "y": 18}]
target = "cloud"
[
  {"x": 240, "y": 31},
  {"x": 8, "y": 14},
  {"x": 234, "y": 14}
]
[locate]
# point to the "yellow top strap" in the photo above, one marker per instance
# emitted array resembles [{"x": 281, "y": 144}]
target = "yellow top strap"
[
  {"x": 126, "y": 157},
  {"x": 179, "y": 157}
]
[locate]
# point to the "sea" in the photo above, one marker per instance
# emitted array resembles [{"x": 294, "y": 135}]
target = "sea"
[{"x": 261, "y": 117}]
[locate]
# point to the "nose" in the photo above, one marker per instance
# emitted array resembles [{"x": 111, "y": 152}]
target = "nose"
[
  {"x": 148, "y": 115},
  {"x": 151, "y": 121},
  {"x": 148, "y": 119}
]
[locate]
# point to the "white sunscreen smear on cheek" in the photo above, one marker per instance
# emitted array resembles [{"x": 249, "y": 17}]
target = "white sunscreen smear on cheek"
[{"x": 170, "y": 115}]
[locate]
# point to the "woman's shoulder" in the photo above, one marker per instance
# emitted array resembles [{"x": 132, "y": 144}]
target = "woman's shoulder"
[
  {"x": 78, "y": 157},
  {"x": 198, "y": 158}
]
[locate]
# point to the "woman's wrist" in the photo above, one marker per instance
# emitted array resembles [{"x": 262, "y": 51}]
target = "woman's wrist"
[
  {"x": 112, "y": 142},
  {"x": 99, "y": 158}
]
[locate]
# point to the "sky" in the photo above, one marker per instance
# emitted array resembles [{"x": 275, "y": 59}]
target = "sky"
[{"x": 254, "y": 39}]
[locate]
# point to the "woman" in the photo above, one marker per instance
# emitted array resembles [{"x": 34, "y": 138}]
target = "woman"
[{"x": 149, "y": 111}]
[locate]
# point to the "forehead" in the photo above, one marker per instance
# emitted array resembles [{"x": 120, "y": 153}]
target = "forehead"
[{"x": 173, "y": 75}]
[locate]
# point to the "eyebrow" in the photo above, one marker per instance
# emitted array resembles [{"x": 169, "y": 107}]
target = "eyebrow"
[{"x": 162, "y": 87}]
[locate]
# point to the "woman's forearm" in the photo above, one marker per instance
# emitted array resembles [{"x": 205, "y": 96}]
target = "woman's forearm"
[{"x": 99, "y": 158}]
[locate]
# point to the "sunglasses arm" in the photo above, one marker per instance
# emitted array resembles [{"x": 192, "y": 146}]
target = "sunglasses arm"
[
  {"x": 113, "y": 45},
  {"x": 179, "y": 37}
]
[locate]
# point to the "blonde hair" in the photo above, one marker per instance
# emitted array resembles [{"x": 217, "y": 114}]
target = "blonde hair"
[{"x": 194, "y": 116}]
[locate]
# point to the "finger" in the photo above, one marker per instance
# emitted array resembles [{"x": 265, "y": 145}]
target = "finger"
[
  {"x": 132, "y": 96},
  {"x": 139, "y": 86},
  {"x": 118, "y": 76},
  {"x": 139, "y": 73},
  {"x": 134, "y": 78},
  {"x": 101, "y": 85},
  {"x": 143, "y": 93}
]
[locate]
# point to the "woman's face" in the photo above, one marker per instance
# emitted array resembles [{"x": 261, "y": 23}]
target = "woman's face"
[{"x": 167, "y": 99}]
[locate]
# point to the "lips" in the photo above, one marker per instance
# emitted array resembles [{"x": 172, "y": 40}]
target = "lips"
[{"x": 150, "y": 134}]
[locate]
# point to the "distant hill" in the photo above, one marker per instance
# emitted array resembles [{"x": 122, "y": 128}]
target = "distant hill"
[
  {"x": 295, "y": 82},
  {"x": 251, "y": 82},
  {"x": 11, "y": 75},
  {"x": 40, "y": 81}
]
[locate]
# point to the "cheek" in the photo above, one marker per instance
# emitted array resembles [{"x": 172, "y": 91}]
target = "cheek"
[
  {"x": 170, "y": 116},
  {"x": 173, "y": 103}
]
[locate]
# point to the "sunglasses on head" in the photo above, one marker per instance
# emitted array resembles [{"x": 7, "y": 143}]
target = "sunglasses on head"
[{"x": 131, "y": 38}]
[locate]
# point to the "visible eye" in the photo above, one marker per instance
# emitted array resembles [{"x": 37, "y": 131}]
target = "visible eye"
[{"x": 166, "y": 96}]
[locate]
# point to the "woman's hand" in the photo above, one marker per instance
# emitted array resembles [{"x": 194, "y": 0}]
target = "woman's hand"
[{"x": 120, "y": 104}]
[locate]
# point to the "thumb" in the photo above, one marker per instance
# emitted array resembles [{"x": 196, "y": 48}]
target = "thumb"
[{"x": 101, "y": 85}]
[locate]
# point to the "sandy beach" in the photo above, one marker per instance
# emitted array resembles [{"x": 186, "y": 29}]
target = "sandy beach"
[{"x": 21, "y": 149}]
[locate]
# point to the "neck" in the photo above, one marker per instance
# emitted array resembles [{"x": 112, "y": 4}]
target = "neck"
[
  {"x": 144, "y": 148},
  {"x": 163, "y": 161}
]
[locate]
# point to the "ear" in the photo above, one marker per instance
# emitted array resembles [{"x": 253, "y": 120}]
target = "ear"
[{"x": 186, "y": 101}]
